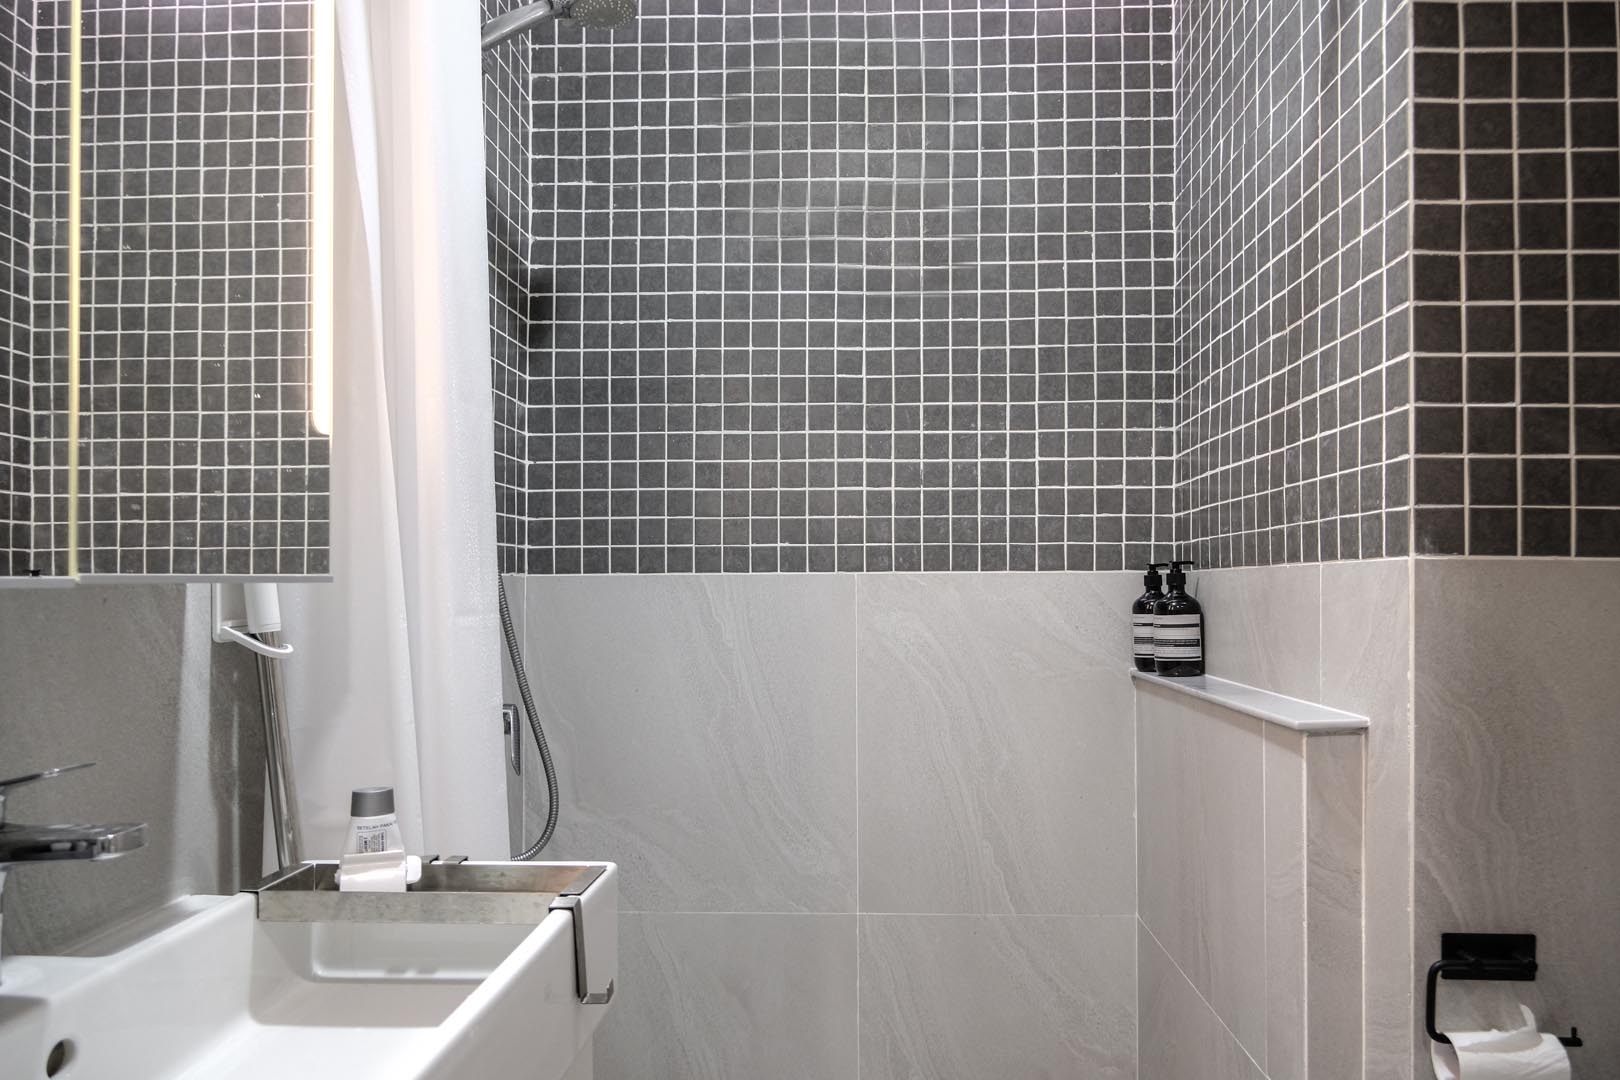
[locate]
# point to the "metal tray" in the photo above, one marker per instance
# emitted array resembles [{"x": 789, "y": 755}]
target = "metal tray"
[{"x": 449, "y": 892}]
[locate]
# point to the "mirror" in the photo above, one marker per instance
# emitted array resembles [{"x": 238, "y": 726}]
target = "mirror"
[{"x": 168, "y": 428}]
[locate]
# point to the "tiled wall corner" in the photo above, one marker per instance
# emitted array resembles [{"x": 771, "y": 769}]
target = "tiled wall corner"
[
  {"x": 1291, "y": 203},
  {"x": 515, "y": 284},
  {"x": 880, "y": 288},
  {"x": 1516, "y": 279}
]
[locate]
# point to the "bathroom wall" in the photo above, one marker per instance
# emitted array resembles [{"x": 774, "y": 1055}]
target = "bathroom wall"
[
  {"x": 1517, "y": 320},
  {"x": 48, "y": 287},
  {"x": 1250, "y": 884},
  {"x": 16, "y": 386},
  {"x": 199, "y": 454},
  {"x": 508, "y": 178},
  {"x": 873, "y": 822},
  {"x": 1517, "y": 815},
  {"x": 875, "y": 287},
  {"x": 129, "y": 678},
  {"x": 1339, "y": 633},
  {"x": 1291, "y": 229}
]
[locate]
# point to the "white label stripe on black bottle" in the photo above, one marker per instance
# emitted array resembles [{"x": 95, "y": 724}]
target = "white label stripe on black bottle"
[
  {"x": 1178, "y": 637},
  {"x": 1142, "y": 635}
]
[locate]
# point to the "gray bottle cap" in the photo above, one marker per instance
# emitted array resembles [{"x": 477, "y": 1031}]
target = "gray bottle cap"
[{"x": 371, "y": 802}]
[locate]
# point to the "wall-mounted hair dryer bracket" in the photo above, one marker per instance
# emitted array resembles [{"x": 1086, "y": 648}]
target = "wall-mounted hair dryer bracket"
[
  {"x": 1486, "y": 957},
  {"x": 242, "y": 612}
]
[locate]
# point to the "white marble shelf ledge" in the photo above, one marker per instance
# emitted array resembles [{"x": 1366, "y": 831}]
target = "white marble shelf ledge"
[{"x": 1279, "y": 709}]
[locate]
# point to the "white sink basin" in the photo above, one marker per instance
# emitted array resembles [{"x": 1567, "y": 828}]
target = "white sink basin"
[{"x": 222, "y": 994}]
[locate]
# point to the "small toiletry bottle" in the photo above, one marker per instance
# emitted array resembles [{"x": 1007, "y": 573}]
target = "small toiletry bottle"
[
  {"x": 372, "y": 824},
  {"x": 1142, "y": 618},
  {"x": 1178, "y": 628}
]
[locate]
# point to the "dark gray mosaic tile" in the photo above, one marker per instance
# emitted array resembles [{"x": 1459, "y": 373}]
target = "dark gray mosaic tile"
[
  {"x": 812, "y": 291},
  {"x": 1293, "y": 281},
  {"x": 1539, "y": 304}
]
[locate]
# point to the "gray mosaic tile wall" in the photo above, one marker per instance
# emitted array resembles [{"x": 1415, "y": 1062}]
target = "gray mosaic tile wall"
[
  {"x": 513, "y": 280},
  {"x": 49, "y": 289},
  {"x": 1516, "y": 279},
  {"x": 16, "y": 387},
  {"x": 1292, "y": 203},
  {"x": 33, "y": 344},
  {"x": 867, "y": 287},
  {"x": 198, "y": 454}
]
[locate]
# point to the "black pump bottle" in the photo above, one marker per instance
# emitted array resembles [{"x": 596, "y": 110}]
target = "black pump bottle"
[
  {"x": 1142, "y": 618},
  {"x": 1178, "y": 628}
]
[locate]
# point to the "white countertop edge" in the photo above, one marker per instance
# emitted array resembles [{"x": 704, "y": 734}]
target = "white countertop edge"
[{"x": 1280, "y": 709}]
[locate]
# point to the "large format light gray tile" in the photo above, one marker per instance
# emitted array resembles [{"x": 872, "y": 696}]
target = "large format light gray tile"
[
  {"x": 1366, "y": 667},
  {"x": 704, "y": 730},
  {"x": 1518, "y": 812},
  {"x": 1261, "y": 626},
  {"x": 127, "y": 676},
  {"x": 995, "y": 744},
  {"x": 1180, "y": 1037},
  {"x": 1333, "y": 813},
  {"x": 963, "y": 997},
  {"x": 1284, "y": 1051},
  {"x": 718, "y": 997},
  {"x": 1200, "y": 841}
]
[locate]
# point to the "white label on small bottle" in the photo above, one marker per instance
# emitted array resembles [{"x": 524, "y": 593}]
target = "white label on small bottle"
[
  {"x": 1142, "y": 636},
  {"x": 1178, "y": 637},
  {"x": 372, "y": 837}
]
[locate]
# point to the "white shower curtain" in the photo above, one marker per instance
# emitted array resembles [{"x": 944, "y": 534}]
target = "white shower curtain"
[{"x": 397, "y": 675}]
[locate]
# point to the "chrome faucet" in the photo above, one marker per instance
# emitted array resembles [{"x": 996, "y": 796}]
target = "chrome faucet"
[{"x": 53, "y": 843}]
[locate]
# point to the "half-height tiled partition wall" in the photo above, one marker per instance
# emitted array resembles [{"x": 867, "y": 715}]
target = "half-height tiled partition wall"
[
  {"x": 1516, "y": 278},
  {"x": 870, "y": 287}
]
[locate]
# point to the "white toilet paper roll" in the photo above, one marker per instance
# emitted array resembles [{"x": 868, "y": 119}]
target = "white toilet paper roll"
[
  {"x": 1522, "y": 1053},
  {"x": 377, "y": 871}
]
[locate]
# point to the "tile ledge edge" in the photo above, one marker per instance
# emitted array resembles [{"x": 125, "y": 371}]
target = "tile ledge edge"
[{"x": 1292, "y": 713}]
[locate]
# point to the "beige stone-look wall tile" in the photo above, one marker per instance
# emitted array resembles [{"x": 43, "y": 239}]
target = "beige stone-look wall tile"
[
  {"x": 1261, "y": 626},
  {"x": 963, "y": 997},
  {"x": 996, "y": 738},
  {"x": 1201, "y": 851},
  {"x": 1180, "y": 1037},
  {"x": 1333, "y": 899},
  {"x": 1366, "y": 668},
  {"x": 1517, "y": 804}
]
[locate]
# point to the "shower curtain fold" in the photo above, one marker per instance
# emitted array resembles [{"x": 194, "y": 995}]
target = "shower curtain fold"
[{"x": 397, "y": 678}]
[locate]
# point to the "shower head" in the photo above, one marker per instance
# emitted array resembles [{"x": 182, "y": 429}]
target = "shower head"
[{"x": 591, "y": 14}]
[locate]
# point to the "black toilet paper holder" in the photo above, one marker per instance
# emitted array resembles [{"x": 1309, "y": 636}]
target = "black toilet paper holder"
[{"x": 1494, "y": 957}]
